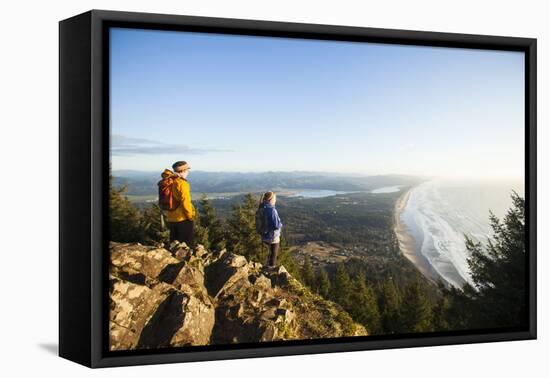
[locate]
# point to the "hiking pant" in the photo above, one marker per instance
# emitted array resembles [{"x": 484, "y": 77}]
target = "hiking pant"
[
  {"x": 181, "y": 231},
  {"x": 273, "y": 249}
]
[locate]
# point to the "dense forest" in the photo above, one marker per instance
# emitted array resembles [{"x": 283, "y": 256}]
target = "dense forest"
[
  {"x": 360, "y": 217},
  {"x": 383, "y": 290}
]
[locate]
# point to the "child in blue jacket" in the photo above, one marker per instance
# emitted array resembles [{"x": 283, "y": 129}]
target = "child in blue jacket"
[{"x": 271, "y": 234}]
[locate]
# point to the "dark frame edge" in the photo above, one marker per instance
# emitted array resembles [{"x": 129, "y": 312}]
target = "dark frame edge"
[
  {"x": 178, "y": 357},
  {"x": 322, "y": 31},
  {"x": 531, "y": 172},
  {"x": 99, "y": 165},
  {"x": 75, "y": 334}
]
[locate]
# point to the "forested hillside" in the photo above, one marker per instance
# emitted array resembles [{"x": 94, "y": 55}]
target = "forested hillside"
[{"x": 377, "y": 286}]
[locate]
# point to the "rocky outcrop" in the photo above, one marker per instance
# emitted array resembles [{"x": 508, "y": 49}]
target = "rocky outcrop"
[{"x": 178, "y": 297}]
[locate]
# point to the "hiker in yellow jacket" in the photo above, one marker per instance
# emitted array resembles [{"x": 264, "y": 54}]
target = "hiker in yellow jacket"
[{"x": 180, "y": 219}]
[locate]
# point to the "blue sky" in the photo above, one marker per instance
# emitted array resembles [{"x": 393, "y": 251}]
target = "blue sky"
[{"x": 241, "y": 103}]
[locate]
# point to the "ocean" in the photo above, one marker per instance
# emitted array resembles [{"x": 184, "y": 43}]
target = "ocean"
[{"x": 439, "y": 213}]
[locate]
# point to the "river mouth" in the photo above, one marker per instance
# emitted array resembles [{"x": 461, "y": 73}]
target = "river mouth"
[{"x": 322, "y": 193}]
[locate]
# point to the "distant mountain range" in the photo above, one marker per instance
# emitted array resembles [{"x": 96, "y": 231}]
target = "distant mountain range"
[{"x": 144, "y": 182}]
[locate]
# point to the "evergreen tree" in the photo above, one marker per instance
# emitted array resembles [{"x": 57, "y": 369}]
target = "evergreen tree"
[
  {"x": 390, "y": 302},
  {"x": 416, "y": 312},
  {"x": 243, "y": 238},
  {"x": 125, "y": 219},
  {"x": 152, "y": 230},
  {"x": 308, "y": 274},
  {"x": 498, "y": 296},
  {"x": 201, "y": 232},
  {"x": 364, "y": 308},
  {"x": 461, "y": 307},
  {"x": 342, "y": 287},
  {"x": 285, "y": 258},
  {"x": 209, "y": 220},
  {"x": 440, "y": 320},
  {"x": 323, "y": 283}
]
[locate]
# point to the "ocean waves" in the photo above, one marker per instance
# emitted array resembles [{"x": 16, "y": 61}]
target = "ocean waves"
[{"x": 439, "y": 214}]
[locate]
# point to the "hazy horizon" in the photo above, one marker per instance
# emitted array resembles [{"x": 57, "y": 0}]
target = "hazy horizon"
[
  {"x": 253, "y": 104},
  {"x": 329, "y": 173}
]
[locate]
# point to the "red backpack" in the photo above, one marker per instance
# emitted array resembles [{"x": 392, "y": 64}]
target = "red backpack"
[{"x": 166, "y": 194}]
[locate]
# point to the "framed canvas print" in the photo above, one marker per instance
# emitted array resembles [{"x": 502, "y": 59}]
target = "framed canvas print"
[{"x": 235, "y": 188}]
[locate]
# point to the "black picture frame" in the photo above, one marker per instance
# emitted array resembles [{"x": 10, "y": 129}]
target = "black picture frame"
[{"x": 83, "y": 182}]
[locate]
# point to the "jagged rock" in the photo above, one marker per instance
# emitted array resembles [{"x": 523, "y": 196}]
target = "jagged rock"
[
  {"x": 225, "y": 272},
  {"x": 269, "y": 332},
  {"x": 131, "y": 307},
  {"x": 186, "y": 296},
  {"x": 284, "y": 315},
  {"x": 262, "y": 282},
  {"x": 182, "y": 253},
  {"x": 278, "y": 276},
  {"x": 133, "y": 258},
  {"x": 200, "y": 251},
  {"x": 151, "y": 311},
  {"x": 197, "y": 324},
  {"x": 177, "y": 245},
  {"x": 276, "y": 302},
  {"x": 191, "y": 276}
]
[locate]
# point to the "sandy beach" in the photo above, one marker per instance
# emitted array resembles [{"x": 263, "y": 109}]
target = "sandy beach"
[{"x": 407, "y": 244}]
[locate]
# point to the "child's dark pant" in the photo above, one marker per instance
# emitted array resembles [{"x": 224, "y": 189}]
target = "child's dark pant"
[{"x": 273, "y": 249}]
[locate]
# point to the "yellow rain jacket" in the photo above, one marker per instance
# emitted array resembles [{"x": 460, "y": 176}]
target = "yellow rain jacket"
[{"x": 182, "y": 194}]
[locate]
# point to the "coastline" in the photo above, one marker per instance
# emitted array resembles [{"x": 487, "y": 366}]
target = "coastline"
[{"x": 407, "y": 243}]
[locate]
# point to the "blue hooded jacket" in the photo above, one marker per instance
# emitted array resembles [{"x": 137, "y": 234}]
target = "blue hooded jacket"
[{"x": 273, "y": 222}]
